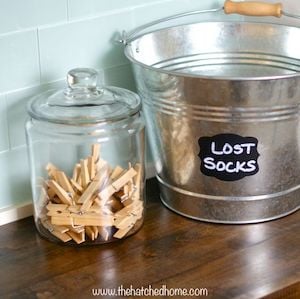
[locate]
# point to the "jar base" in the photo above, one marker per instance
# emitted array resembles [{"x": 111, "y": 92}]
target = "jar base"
[{"x": 47, "y": 235}]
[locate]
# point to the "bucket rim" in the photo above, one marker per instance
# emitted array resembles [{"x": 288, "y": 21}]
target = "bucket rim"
[{"x": 206, "y": 77}]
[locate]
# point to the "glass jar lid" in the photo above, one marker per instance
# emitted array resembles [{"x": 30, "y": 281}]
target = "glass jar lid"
[{"x": 84, "y": 101}]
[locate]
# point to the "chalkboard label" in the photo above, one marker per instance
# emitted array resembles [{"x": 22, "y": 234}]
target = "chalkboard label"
[{"x": 228, "y": 157}]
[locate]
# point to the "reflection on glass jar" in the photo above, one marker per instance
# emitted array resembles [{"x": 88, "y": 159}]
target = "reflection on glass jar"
[{"x": 86, "y": 150}]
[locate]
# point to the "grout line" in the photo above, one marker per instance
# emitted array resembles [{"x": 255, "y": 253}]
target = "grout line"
[
  {"x": 2, "y": 152},
  {"x": 100, "y": 70},
  {"x": 68, "y": 10},
  {"x": 34, "y": 86},
  {"x": 28, "y": 29},
  {"x": 39, "y": 53},
  {"x": 97, "y": 15},
  {"x": 87, "y": 17},
  {"x": 119, "y": 65},
  {"x": 114, "y": 11},
  {"x": 19, "y": 147}
]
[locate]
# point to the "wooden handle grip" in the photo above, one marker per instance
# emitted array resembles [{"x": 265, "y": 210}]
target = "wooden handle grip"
[{"x": 253, "y": 8}]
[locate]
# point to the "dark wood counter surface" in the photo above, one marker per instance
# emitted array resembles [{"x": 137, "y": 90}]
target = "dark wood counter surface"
[{"x": 231, "y": 261}]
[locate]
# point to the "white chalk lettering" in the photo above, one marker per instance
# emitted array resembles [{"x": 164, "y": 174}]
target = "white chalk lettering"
[
  {"x": 228, "y": 149},
  {"x": 238, "y": 150},
  {"x": 229, "y": 157},
  {"x": 240, "y": 166},
  {"x": 248, "y": 147},
  {"x": 229, "y": 167},
  {"x": 251, "y": 166},
  {"x": 213, "y": 149},
  {"x": 209, "y": 163},
  {"x": 221, "y": 166}
]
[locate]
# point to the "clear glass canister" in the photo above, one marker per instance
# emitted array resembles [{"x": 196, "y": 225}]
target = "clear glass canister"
[{"x": 86, "y": 151}]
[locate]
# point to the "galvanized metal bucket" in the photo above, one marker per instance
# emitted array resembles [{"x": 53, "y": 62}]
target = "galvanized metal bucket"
[{"x": 221, "y": 101}]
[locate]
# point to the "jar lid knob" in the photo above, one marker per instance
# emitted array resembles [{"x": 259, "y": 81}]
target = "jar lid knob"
[{"x": 82, "y": 78}]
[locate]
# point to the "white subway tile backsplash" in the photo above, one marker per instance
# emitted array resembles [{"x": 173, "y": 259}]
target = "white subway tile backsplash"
[
  {"x": 17, "y": 112},
  {"x": 16, "y": 116},
  {"x": 4, "y": 145},
  {"x": 156, "y": 11},
  {"x": 19, "y": 60},
  {"x": 18, "y": 15},
  {"x": 15, "y": 178},
  {"x": 121, "y": 76},
  {"x": 96, "y": 7},
  {"x": 77, "y": 10},
  {"x": 89, "y": 43}
]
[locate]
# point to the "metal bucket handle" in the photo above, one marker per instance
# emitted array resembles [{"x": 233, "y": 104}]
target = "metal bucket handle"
[{"x": 248, "y": 8}]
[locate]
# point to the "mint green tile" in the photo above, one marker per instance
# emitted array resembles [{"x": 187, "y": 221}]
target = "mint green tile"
[
  {"x": 158, "y": 10},
  {"x": 4, "y": 145},
  {"x": 121, "y": 76},
  {"x": 18, "y": 15},
  {"x": 18, "y": 60},
  {"x": 14, "y": 178},
  {"x": 89, "y": 43},
  {"x": 17, "y": 113},
  {"x": 79, "y": 9}
]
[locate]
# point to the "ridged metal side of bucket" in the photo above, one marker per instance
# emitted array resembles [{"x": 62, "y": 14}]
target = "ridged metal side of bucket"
[
  {"x": 212, "y": 79},
  {"x": 232, "y": 65}
]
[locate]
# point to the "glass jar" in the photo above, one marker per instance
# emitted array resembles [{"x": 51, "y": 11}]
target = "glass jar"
[{"x": 86, "y": 151}]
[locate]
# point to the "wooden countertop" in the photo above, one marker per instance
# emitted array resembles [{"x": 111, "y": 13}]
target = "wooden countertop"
[{"x": 231, "y": 261}]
